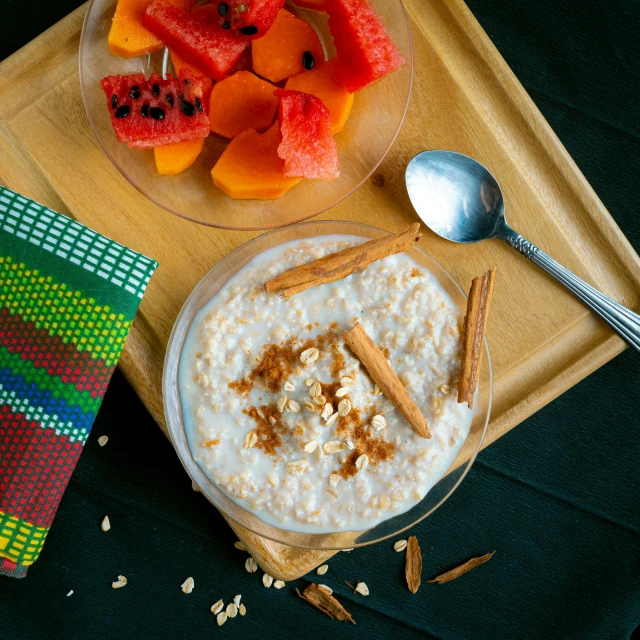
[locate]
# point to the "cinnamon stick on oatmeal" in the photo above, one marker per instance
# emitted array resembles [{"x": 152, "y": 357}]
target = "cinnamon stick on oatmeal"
[
  {"x": 385, "y": 377},
  {"x": 325, "y": 602},
  {"x": 343, "y": 263},
  {"x": 475, "y": 324}
]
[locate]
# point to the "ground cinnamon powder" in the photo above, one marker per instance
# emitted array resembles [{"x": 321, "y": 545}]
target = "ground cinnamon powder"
[{"x": 269, "y": 435}]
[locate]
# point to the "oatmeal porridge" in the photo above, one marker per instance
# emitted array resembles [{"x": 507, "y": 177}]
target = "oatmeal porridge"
[{"x": 282, "y": 416}]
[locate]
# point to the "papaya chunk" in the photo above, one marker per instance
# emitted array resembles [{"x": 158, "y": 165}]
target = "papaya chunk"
[
  {"x": 307, "y": 148},
  {"x": 172, "y": 159},
  {"x": 240, "y": 102},
  {"x": 278, "y": 54},
  {"x": 249, "y": 168},
  {"x": 325, "y": 83},
  {"x": 127, "y": 37}
]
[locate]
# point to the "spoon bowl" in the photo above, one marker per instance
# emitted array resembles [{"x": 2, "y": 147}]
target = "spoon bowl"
[{"x": 460, "y": 200}]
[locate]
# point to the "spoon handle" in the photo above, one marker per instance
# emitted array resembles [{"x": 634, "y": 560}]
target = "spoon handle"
[{"x": 621, "y": 319}]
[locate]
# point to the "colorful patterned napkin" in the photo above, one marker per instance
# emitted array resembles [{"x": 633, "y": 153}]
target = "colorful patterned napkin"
[{"x": 67, "y": 299}]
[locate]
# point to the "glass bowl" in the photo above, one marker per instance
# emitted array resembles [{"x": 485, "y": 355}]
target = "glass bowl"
[
  {"x": 207, "y": 288},
  {"x": 373, "y": 125}
]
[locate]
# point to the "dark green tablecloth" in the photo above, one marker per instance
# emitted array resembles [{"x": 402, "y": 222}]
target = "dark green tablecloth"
[{"x": 557, "y": 498}]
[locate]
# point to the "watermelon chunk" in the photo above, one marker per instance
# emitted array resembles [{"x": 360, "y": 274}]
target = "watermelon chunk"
[
  {"x": 307, "y": 148},
  {"x": 195, "y": 36},
  {"x": 364, "y": 47},
  {"x": 154, "y": 112},
  {"x": 249, "y": 19}
]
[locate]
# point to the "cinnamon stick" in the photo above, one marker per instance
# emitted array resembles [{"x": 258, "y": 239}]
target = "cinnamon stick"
[
  {"x": 475, "y": 324},
  {"x": 413, "y": 564},
  {"x": 385, "y": 377},
  {"x": 343, "y": 263},
  {"x": 325, "y": 602},
  {"x": 460, "y": 570}
]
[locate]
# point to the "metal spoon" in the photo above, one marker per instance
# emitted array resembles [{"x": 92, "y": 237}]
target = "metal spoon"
[{"x": 457, "y": 198}]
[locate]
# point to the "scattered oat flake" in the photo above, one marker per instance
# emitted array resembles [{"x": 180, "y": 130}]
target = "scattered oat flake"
[
  {"x": 188, "y": 585},
  {"x": 310, "y": 447},
  {"x": 293, "y": 406},
  {"x": 325, "y": 588},
  {"x": 460, "y": 570},
  {"x": 322, "y": 569},
  {"x": 236, "y": 600},
  {"x": 377, "y": 391},
  {"x": 250, "y": 439},
  {"x": 327, "y": 411},
  {"x": 250, "y": 565},
  {"x": 413, "y": 564},
  {"x": 362, "y": 588},
  {"x": 379, "y": 422},
  {"x": 362, "y": 462},
  {"x": 217, "y": 607},
  {"x": 347, "y": 381},
  {"x": 344, "y": 407},
  {"x": 282, "y": 403},
  {"x": 333, "y": 446},
  {"x": 239, "y": 545},
  {"x": 349, "y": 445},
  {"x": 272, "y": 420},
  {"x": 70, "y": 593},
  {"x": 105, "y": 525},
  {"x": 232, "y": 610},
  {"x": 288, "y": 386},
  {"x": 309, "y": 381},
  {"x": 309, "y": 355},
  {"x": 221, "y": 618},
  {"x": 342, "y": 391},
  {"x": 309, "y": 405},
  {"x": 278, "y": 584},
  {"x": 102, "y": 440},
  {"x": 400, "y": 545},
  {"x": 316, "y": 389},
  {"x": 331, "y": 420},
  {"x": 267, "y": 580},
  {"x": 120, "y": 582},
  {"x": 298, "y": 466},
  {"x": 334, "y": 478},
  {"x": 242, "y": 610}
]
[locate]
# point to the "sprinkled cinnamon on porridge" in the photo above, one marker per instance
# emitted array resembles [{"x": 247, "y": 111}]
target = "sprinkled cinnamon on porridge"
[{"x": 283, "y": 417}]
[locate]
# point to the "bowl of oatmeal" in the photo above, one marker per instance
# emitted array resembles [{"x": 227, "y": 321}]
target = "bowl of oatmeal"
[{"x": 276, "y": 420}]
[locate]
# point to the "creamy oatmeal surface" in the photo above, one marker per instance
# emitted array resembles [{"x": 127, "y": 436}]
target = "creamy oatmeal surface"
[{"x": 282, "y": 417}]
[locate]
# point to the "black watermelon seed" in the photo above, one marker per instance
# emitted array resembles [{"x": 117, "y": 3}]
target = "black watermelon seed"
[
  {"x": 187, "y": 81},
  {"x": 134, "y": 92},
  {"x": 155, "y": 89},
  {"x": 144, "y": 112},
  {"x": 169, "y": 99},
  {"x": 307, "y": 60},
  {"x": 156, "y": 113},
  {"x": 114, "y": 101},
  {"x": 123, "y": 111},
  {"x": 198, "y": 105},
  {"x": 226, "y": 24},
  {"x": 251, "y": 30},
  {"x": 223, "y": 9},
  {"x": 187, "y": 108}
]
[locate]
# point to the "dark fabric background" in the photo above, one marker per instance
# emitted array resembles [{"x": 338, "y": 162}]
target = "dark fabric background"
[{"x": 557, "y": 497}]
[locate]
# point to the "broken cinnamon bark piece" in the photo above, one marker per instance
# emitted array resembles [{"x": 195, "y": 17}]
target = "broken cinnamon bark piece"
[
  {"x": 343, "y": 263},
  {"x": 460, "y": 570},
  {"x": 325, "y": 602},
  {"x": 475, "y": 324},
  {"x": 413, "y": 564}
]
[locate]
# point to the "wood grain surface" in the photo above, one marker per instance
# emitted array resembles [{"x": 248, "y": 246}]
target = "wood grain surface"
[{"x": 466, "y": 99}]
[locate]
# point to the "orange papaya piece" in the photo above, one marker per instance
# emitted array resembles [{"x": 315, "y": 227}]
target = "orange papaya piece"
[
  {"x": 127, "y": 37},
  {"x": 324, "y": 82},
  {"x": 313, "y": 5},
  {"x": 240, "y": 102},
  {"x": 249, "y": 168},
  {"x": 279, "y": 53},
  {"x": 174, "y": 158}
]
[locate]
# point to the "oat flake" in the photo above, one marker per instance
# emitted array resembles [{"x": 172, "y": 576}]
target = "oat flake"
[
  {"x": 321, "y": 570},
  {"x": 217, "y": 607},
  {"x": 188, "y": 585}
]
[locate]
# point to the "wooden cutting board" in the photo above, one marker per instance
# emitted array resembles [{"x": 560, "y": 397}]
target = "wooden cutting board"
[{"x": 466, "y": 99}]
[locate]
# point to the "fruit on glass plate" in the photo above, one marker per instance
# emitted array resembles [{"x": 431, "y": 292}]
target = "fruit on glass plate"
[
  {"x": 365, "y": 49},
  {"x": 174, "y": 158},
  {"x": 195, "y": 36},
  {"x": 250, "y": 167},
  {"x": 289, "y": 47},
  {"x": 149, "y": 113},
  {"x": 325, "y": 82},
  {"x": 307, "y": 148},
  {"x": 240, "y": 102},
  {"x": 128, "y": 37}
]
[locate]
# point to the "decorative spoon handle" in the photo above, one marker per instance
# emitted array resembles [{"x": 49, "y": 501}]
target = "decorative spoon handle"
[{"x": 621, "y": 319}]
